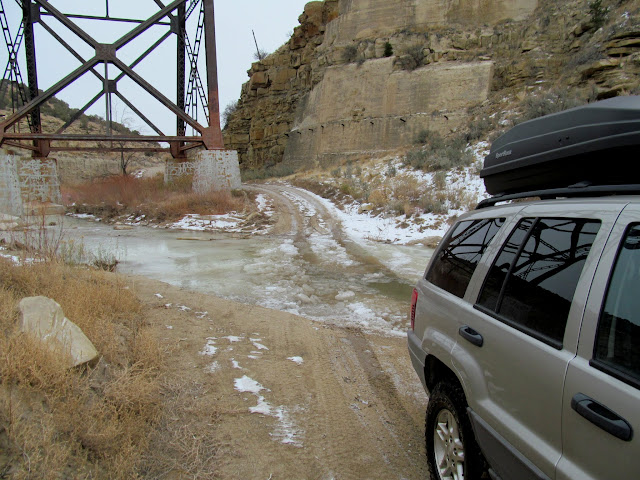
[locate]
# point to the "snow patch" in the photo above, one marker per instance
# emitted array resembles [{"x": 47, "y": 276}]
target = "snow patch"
[
  {"x": 210, "y": 348},
  {"x": 213, "y": 367},
  {"x": 235, "y": 364},
  {"x": 233, "y": 338},
  {"x": 287, "y": 431}
]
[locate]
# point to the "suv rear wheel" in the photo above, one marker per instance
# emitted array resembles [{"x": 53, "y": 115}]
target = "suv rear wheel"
[{"x": 452, "y": 451}]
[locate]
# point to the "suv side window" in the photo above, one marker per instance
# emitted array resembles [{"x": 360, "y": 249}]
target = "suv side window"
[
  {"x": 531, "y": 284},
  {"x": 618, "y": 337},
  {"x": 460, "y": 253}
]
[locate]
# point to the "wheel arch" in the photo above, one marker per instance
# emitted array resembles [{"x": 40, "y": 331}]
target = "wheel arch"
[{"x": 435, "y": 371}]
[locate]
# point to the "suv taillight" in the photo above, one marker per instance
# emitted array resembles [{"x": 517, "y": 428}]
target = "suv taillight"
[{"x": 414, "y": 301}]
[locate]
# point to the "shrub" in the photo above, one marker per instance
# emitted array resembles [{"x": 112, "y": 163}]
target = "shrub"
[
  {"x": 388, "y": 49},
  {"x": 119, "y": 195},
  {"x": 422, "y": 136},
  {"x": 228, "y": 112},
  {"x": 260, "y": 54},
  {"x": 440, "y": 155},
  {"x": 440, "y": 180},
  {"x": 391, "y": 170},
  {"x": 479, "y": 128},
  {"x": 598, "y": 13},
  {"x": 430, "y": 204},
  {"x": 350, "y": 53},
  {"x": 550, "y": 102}
]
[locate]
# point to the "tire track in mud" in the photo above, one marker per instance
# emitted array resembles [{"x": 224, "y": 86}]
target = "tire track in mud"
[
  {"x": 285, "y": 198},
  {"x": 367, "y": 389}
]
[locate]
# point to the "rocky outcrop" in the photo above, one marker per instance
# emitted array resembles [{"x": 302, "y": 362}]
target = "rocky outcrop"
[
  {"x": 44, "y": 319},
  {"x": 373, "y": 75},
  {"x": 267, "y": 104}
]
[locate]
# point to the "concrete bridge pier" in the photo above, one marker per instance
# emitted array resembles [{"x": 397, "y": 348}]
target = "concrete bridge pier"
[
  {"x": 212, "y": 170},
  {"x": 29, "y": 186}
]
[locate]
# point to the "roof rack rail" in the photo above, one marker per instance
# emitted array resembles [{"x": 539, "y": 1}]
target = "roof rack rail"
[{"x": 578, "y": 190}]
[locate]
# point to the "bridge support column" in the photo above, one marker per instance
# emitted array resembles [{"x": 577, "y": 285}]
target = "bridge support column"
[
  {"x": 29, "y": 186},
  {"x": 216, "y": 170}
]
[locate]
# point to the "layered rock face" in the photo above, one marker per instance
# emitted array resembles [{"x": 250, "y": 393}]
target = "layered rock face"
[
  {"x": 364, "y": 19},
  {"x": 364, "y": 77},
  {"x": 373, "y": 107}
]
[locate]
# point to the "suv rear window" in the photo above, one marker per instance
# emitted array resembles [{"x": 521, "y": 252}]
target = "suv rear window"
[
  {"x": 532, "y": 282},
  {"x": 460, "y": 253},
  {"x": 618, "y": 336}
]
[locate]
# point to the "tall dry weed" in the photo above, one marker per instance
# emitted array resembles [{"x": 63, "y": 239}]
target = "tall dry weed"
[
  {"x": 94, "y": 422},
  {"x": 115, "y": 196}
]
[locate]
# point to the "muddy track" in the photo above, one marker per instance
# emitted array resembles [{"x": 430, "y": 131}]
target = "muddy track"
[
  {"x": 287, "y": 397},
  {"x": 351, "y": 407},
  {"x": 301, "y": 215}
]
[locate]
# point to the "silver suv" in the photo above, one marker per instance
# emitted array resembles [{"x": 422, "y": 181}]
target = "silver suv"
[{"x": 525, "y": 329}]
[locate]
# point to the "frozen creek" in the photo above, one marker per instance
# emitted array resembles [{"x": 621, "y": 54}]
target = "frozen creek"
[{"x": 305, "y": 265}]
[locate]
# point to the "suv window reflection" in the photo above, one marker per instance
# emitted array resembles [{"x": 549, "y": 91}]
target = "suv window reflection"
[
  {"x": 619, "y": 329},
  {"x": 460, "y": 254},
  {"x": 532, "y": 282}
]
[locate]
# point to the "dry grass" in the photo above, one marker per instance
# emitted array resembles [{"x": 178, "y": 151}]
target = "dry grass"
[
  {"x": 80, "y": 423},
  {"x": 117, "y": 196}
]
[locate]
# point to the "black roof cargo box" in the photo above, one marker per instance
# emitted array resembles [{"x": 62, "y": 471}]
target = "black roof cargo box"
[{"x": 597, "y": 143}]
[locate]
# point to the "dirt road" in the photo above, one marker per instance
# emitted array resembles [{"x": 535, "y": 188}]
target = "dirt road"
[{"x": 253, "y": 393}]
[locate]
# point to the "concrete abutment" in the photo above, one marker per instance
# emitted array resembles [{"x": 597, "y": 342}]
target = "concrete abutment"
[{"x": 29, "y": 186}]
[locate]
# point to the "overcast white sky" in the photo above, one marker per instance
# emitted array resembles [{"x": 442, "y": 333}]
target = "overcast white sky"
[{"x": 272, "y": 21}]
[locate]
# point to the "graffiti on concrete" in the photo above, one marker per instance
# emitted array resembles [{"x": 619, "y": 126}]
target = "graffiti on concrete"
[
  {"x": 27, "y": 180},
  {"x": 10, "y": 200},
  {"x": 216, "y": 170},
  {"x": 39, "y": 180},
  {"x": 174, "y": 170}
]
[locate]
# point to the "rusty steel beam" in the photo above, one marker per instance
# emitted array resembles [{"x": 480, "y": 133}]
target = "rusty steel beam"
[
  {"x": 143, "y": 27},
  {"x": 110, "y": 19},
  {"x": 69, "y": 48},
  {"x": 21, "y": 145},
  {"x": 30, "y": 54},
  {"x": 181, "y": 65},
  {"x": 140, "y": 114},
  {"x": 79, "y": 113},
  {"x": 99, "y": 138},
  {"x": 63, "y": 19},
  {"x": 156, "y": 94},
  {"x": 40, "y": 99},
  {"x": 213, "y": 135},
  {"x": 145, "y": 54},
  {"x": 113, "y": 150}
]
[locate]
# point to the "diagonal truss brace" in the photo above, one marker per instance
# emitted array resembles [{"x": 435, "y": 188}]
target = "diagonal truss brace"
[{"x": 210, "y": 136}]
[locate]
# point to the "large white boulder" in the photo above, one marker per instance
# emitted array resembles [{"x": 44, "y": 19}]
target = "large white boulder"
[{"x": 44, "y": 319}]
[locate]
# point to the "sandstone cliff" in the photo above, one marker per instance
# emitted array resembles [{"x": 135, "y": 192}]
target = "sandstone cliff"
[{"x": 364, "y": 77}]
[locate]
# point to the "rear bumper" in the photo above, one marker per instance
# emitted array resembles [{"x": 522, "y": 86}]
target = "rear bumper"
[{"x": 417, "y": 355}]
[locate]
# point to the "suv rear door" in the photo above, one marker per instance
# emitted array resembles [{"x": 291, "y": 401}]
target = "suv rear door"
[
  {"x": 601, "y": 405},
  {"x": 516, "y": 377}
]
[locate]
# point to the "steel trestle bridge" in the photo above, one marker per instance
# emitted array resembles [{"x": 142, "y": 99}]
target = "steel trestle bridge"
[{"x": 191, "y": 96}]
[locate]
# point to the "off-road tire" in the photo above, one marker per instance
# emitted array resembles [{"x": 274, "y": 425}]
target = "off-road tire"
[{"x": 448, "y": 397}]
